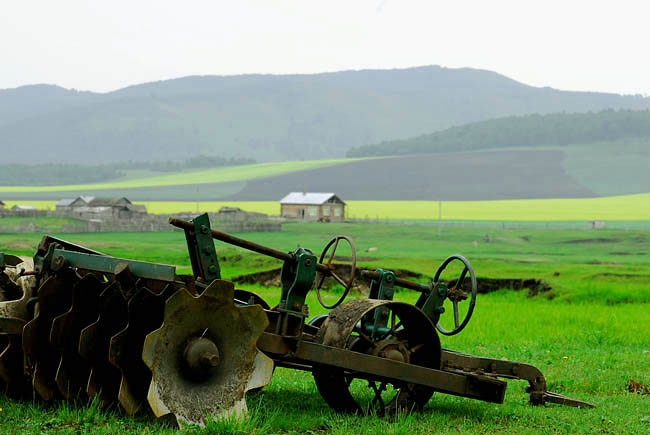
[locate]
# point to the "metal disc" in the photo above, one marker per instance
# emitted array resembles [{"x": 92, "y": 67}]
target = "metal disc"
[
  {"x": 94, "y": 342},
  {"x": 16, "y": 384},
  {"x": 19, "y": 307},
  {"x": 73, "y": 370},
  {"x": 15, "y": 294},
  {"x": 176, "y": 388},
  {"x": 146, "y": 310},
  {"x": 54, "y": 298}
]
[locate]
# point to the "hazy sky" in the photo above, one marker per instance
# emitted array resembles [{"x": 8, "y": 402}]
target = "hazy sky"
[{"x": 105, "y": 45}]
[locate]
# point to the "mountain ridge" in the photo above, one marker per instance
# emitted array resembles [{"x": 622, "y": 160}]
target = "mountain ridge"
[{"x": 267, "y": 117}]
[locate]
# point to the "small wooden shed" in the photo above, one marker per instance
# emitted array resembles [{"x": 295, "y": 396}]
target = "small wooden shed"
[
  {"x": 65, "y": 204},
  {"x": 310, "y": 206}
]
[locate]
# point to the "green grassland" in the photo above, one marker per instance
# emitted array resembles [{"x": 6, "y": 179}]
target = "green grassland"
[
  {"x": 36, "y": 224},
  {"x": 217, "y": 175},
  {"x": 589, "y": 334},
  {"x": 52, "y": 221},
  {"x": 611, "y": 167}
]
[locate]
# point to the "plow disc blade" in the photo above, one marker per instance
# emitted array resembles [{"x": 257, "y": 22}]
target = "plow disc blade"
[
  {"x": 202, "y": 364},
  {"x": 21, "y": 287},
  {"x": 94, "y": 342},
  {"x": 145, "y": 311},
  {"x": 15, "y": 294},
  {"x": 54, "y": 298},
  {"x": 73, "y": 370},
  {"x": 16, "y": 384}
]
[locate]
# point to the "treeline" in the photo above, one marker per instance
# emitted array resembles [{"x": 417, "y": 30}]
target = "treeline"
[
  {"x": 54, "y": 174},
  {"x": 557, "y": 129}
]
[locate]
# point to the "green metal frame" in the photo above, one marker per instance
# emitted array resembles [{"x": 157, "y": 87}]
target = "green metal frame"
[
  {"x": 376, "y": 322},
  {"x": 431, "y": 301},
  {"x": 297, "y": 278},
  {"x": 203, "y": 254},
  {"x": 56, "y": 258}
]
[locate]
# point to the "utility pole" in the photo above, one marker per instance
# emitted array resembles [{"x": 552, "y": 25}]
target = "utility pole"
[{"x": 198, "y": 198}]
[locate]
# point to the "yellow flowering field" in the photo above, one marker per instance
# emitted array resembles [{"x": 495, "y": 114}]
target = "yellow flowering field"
[{"x": 622, "y": 208}]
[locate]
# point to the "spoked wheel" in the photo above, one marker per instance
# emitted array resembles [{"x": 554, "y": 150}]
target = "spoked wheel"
[
  {"x": 385, "y": 329},
  {"x": 458, "y": 293},
  {"x": 347, "y": 285}
]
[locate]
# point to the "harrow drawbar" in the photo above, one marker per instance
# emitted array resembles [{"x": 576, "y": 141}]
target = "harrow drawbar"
[{"x": 76, "y": 323}]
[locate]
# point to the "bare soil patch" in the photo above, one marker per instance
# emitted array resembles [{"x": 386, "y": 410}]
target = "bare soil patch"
[
  {"x": 485, "y": 175},
  {"x": 534, "y": 286},
  {"x": 340, "y": 258},
  {"x": 637, "y": 387},
  {"x": 602, "y": 262},
  {"x": 596, "y": 240},
  {"x": 623, "y": 275}
]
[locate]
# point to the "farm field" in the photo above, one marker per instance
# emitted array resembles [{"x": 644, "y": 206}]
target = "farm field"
[
  {"x": 613, "y": 208},
  {"x": 588, "y": 333},
  {"x": 572, "y": 171},
  {"x": 223, "y": 174},
  {"x": 39, "y": 221}
]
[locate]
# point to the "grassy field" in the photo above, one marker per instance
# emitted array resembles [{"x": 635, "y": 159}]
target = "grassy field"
[
  {"x": 588, "y": 335},
  {"x": 594, "y": 266},
  {"x": 616, "y": 208},
  {"x": 36, "y": 224},
  {"x": 217, "y": 175},
  {"x": 608, "y": 168},
  {"x": 573, "y": 171},
  {"x": 38, "y": 221},
  {"x": 628, "y": 207}
]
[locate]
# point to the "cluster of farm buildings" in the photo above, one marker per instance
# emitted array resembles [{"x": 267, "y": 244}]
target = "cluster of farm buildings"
[
  {"x": 306, "y": 206},
  {"x": 87, "y": 207},
  {"x": 97, "y": 207}
]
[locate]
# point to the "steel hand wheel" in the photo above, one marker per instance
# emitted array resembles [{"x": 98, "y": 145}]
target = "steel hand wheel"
[
  {"x": 456, "y": 294},
  {"x": 323, "y": 275}
]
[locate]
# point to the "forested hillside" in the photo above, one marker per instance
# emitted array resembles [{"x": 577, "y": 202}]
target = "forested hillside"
[
  {"x": 266, "y": 117},
  {"x": 52, "y": 174},
  {"x": 558, "y": 129}
]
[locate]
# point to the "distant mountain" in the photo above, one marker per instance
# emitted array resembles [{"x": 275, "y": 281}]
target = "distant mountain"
[
  {"x": 267, "y": 117},
  {"x": 34, "y": 100},
  {"x": 557, "y": 129}
]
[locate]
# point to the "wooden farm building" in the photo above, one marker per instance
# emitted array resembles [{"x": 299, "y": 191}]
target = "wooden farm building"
[
  {"x": 311, "y": 206},
  {"x": 24, "y": 210},
  {"x": 96, "y": 207}
]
